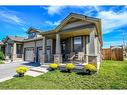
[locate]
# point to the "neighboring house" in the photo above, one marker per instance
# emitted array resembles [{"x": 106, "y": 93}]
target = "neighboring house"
[
  {"x": 21, "y": 48},
  {"x": 2, "y": 47},
  {"x": 77, "y": 34}
]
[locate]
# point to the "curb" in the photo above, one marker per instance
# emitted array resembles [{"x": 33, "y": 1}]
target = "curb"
[{"x": 7, "y": 78}]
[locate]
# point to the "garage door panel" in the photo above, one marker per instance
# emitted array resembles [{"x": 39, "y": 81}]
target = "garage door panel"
[{"x": 29, "y": 54}]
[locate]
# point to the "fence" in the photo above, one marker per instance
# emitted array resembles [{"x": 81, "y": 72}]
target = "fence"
[{"x": 113, "y": 53}]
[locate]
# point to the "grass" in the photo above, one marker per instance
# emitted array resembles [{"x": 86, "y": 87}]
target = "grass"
[{"x": 112, "y": 75}]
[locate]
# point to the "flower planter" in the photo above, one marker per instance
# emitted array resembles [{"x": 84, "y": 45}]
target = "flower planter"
[
  {"x": 69, "y": 70},
  {"x": 51, "y": 69},
  {"x": 21, "y": 74},
  {"x": 88, "y": 72},
  {"x": 21, "y": 71}
]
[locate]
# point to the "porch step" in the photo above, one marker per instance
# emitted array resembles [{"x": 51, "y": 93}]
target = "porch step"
[
  {"x": 45, "y": 66},
  {"x": 33, "y": 73},
  {"x": 39, "y": 69}
]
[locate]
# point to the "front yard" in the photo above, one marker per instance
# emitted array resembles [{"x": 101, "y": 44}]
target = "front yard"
[{"x": 112, "y": 75}]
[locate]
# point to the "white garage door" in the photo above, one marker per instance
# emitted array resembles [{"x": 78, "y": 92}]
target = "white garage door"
[{"x": 29, "y": 54}]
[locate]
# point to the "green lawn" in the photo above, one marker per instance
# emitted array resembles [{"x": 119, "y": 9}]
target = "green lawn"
[{"x": 112, "y": 75}]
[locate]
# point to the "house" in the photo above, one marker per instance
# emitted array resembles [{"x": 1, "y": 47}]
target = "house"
[
  {"x": 20, "y": 48},
  {"x": 76, "y": 35}
]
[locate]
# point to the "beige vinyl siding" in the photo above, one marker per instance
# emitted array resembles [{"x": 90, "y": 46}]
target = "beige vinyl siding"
[{"x": 75, "y": 24}]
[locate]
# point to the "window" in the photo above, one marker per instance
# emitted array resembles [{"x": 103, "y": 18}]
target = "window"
[
  {"x": 77, "y": 44},
  {"x": 32, "y": 35}
]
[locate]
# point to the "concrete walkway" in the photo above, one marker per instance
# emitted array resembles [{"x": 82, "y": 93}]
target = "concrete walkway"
[
  {"x": 36, "y": 71},
  {"x": 9, "y": 69}
]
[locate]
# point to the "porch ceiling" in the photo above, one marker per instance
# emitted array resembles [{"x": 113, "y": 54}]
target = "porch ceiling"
[
  {"x": 64, "y": 35},
  {"x": 71, "y": 33}
]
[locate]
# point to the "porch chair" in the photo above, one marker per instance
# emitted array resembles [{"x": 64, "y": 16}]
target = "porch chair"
[
  {"x": 79, "y": 58},
  {"x": 71, "y": 56}
]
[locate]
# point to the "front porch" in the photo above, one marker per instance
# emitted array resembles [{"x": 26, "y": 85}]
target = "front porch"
[
  {"x": 14, "y": 51},
  {"x": 76, "y": 39},
  {"x": 77, "y": 46}
]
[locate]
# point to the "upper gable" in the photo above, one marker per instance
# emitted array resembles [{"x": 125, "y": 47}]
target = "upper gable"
[
  {"x": 75, "y": 24},
  {"x": 68, "y": 22},
  {"x": 33, "y": 33}
]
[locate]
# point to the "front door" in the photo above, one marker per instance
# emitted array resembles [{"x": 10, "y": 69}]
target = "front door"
[{"x": 39, "y": 54}]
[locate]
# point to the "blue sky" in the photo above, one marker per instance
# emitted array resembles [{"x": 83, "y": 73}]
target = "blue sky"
[{"x": 15, "y": 20}]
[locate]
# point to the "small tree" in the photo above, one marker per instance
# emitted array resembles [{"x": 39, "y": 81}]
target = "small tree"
[{"x": 2, "y": 57}]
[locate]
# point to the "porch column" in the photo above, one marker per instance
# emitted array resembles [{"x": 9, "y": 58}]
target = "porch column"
[
  {"x": 92, "y": 41},
  {"x": 92, "y": 47},
  {"x": 84, "y": 45},
  {"x": 58, "y": 46},
  {"x": 58, "y": 55},
  {"x": 97, "y": 52},
  {"x": 87, "y": 48},
  {"x": 71, "y": 44},
  {"x": 14, "y": 55},
  {"x": 44, "y": 51},
  {"x": 84, "y": 48}
]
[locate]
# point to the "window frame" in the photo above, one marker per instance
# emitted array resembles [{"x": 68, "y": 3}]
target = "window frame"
[{"x": 81, "y": 37}]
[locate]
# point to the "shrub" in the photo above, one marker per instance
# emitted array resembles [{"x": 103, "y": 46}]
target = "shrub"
[
  {"x": 2, "y": 57},
  {"x": 1, "y": 62},
  {"x": 90, "y": 68},
  {"x": 21, "y": 70},
  {"x": 69, "y": 67},
  {"x": 53, "y": 66}
]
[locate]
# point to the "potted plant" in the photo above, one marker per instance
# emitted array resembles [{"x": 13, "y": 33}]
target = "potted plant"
[
  {"x": 90, "y": 68},
  {"x": 69, "y": 67},
  {"x": 53, "y": 66},
  {"x": 21, "y": 70}
]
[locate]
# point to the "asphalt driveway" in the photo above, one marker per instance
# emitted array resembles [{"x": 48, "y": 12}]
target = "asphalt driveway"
[{"x": 7, "y": 70}]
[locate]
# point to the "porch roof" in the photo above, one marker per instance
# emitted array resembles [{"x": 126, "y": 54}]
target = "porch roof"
[
  {"x": 33, "y": 39},
  {"x": 70, "y": 33},
  {"x": 73, "y": 16},
  {"x": 14, "y": 38}
]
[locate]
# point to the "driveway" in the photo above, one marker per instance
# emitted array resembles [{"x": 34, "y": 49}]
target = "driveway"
[{"x": 7, "y": 70}]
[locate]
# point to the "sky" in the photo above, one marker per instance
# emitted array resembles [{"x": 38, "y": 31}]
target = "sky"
[{"x": 16, "y": 20}]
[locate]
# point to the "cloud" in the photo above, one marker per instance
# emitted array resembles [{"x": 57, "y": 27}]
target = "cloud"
[
  {"x": 108, "y": 43},
  {"x": 24, "y": 29},
  {"x": 113, "y": 43},
  {"x": 54, "y": 9},
  {"x": 10, "y": 17},
  {"x": 91, "y": 10},
  {"x": 53, "y": 23},
  {"x": 112, "y": 20}
]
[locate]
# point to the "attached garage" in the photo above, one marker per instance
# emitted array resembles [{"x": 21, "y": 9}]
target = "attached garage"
[
  {"x": 29, "y": 54},
  {"x": 33, "y": 51}
]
